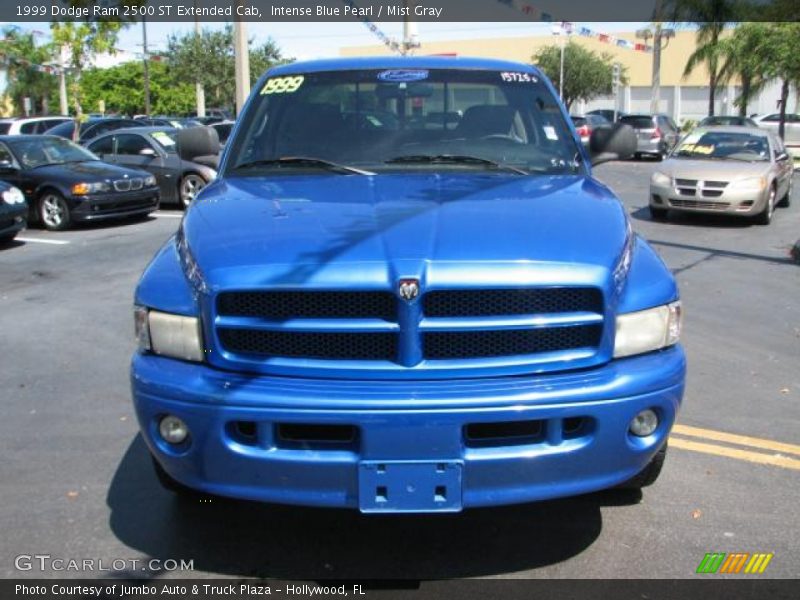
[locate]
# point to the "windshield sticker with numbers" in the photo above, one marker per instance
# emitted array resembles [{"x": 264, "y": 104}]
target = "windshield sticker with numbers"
[
  {"x": 518, "y": 77},
  {"x": 283, "y": 85}
]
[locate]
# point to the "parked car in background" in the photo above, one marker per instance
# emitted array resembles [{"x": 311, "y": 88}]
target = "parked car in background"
[
  {"x": 217, "y": 113},
  {"x": 13, "y": 211},
  {"x": 154, "y": 149},
  {"x": 607, "y": 113},
  {"x": 92, "y": 128},
  {"x": 791, "y": 133},
  {"x": 30, "y": 125},
  {"x": 733, "y": 170},
  {"x": 586, "y": 124},
  {"x": 725, "y": 120},
  {"x": 223, "y": 129},
  {"x": 208, "y": 120},
  {"x": 64, "y": 183},
  {"x": 174, "y": 122},
  {"x": 656, "y": 134}
]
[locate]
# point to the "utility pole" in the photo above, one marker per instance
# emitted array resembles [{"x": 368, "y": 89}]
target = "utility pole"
[
  {"x": 146, "y": 69},
  {"x": 241, "y": 62},
  {"x": 63, "y": 105},
  {"x": 410, "y": 38},
  {"x": 659, "y": 34},
  {"x": 199, "y": 90}
]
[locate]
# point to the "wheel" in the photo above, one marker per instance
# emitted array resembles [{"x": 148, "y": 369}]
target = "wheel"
[
  {"x": 649, "y": 474},
  {"x": 787, "y": 199},
  {"x": 658, "y": 214},
  {"x": 637, "y": 156},
  {"x": 765, "y": 216},
  {"x": 54, "y": 212},
  {"x": 183, "y": 492},
  {"x": 190, "y": 186}
]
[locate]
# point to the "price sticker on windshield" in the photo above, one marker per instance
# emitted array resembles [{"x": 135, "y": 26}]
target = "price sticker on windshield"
[
  {"x": 517, "y": 77},
  {"x": 283, "y": 85}
]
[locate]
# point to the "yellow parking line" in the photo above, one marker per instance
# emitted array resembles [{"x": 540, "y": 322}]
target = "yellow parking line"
[
  {"x": 732, "y": 438},
  {"x": 746, "y": 455}
]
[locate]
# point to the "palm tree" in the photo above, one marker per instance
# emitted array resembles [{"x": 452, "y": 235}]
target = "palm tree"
[
  {"x": 711, "y": 17},
  {"x": 744, "y": 59}
]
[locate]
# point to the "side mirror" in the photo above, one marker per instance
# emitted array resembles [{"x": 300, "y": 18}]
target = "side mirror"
[
  {"x": 612, "y": 143},
  {"x": 782, "y": 157},
  {"x": 6, "y": 166},
  {"x": 147, "y": 152},
  {"x": 197, "y": 141}
]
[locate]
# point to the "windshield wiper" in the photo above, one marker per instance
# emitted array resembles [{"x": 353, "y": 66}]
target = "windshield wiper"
[
  {"x": 302, "y": 161},
  {"x": 464, "y": 159}
]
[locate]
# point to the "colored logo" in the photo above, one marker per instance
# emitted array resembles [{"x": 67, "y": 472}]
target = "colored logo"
[
  {"x": 735, "y": 563},
  {"x": 401, "y": 75}
]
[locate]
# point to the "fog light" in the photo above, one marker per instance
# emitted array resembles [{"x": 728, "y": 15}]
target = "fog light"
[
  {"x": 644, "y": 423},
  {"x": 173, "y": 429}
]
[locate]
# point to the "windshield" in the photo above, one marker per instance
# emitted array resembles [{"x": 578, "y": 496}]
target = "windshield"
[
  {"x": 165, "y": 139},
  {"x": 723, "y": 144},
  {"x": 39, "y": 152},
  {"x": 406, "y": 119}
]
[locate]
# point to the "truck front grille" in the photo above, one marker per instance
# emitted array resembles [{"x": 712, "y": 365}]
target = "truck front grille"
[{"x": 449, "y": 328}]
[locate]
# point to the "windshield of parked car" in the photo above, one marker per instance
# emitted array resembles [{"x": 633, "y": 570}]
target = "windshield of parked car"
[
  {"x": 41, "y": 151},
  {"x": 724, "y": 145},
  {"x": 638, "y": 122},
  {"x": 405, "y": 119},
  {"x": 165, "y": 139},
  {"x": 4, "y": 127}
]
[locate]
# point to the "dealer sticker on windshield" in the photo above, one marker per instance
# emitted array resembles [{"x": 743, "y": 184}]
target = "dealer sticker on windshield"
[
  {"x": 403, "y": 75},
  {"x": 283, "y": 85},
  {"x": 517, "y": 77}
]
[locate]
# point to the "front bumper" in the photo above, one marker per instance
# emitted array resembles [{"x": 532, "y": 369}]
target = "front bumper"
[
  {"x": 12, "y": 219},
  {"x": 398, "y": 422},
  {"x": 731, "y": 201},
  {"x": 114, "y": 205}
]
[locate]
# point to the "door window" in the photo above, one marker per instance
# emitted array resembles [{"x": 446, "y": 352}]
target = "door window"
[
  {"x": 131, "y": 145},
  {"x": 103, "y": 145}
]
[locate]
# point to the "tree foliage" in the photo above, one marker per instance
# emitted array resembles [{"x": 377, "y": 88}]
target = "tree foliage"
[
  {"x": 25, "y": 79},
  {"x": 586, "y": 73}
]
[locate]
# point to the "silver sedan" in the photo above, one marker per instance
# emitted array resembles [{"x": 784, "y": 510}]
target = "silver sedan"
[{"x": 732, "y": 170}]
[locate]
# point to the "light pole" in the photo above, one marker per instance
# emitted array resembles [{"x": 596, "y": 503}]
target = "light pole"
[
  {"x": 146, "y": 69},
  {"x": 658, "y": 35},
  {"x": 199, "y": 91},
  {"x": 562, "y": 30},
  {"x": 241, "y": 60}
]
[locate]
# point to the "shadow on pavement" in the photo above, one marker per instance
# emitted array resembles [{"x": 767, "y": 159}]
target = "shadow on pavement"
[{"x": 255, "y": 540}]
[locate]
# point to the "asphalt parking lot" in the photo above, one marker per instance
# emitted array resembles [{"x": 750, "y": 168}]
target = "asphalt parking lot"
[{"x": 77, "y": 481}]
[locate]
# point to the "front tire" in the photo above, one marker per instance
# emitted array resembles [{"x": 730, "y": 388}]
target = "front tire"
[
  {"x": 189, "y": 187},
  {"x": 658, "y": 214},
  {"x": 787, "y": 199},
  {"x": 765, "y": 216},
  {"x": 54, "y": 211},
  {"x": 649, "y": 474}
]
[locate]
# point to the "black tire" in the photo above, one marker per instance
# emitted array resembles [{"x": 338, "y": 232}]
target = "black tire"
[
  {"x": 787, "y": 199},
  {"x": 53, "y": 211},
  {"x": 659, "y": 214},
  {"x": 649, "y": 474},
  {"x": 183, "y": 492},
  {"x": 765, "y": 216},
  {"x": 637, "y": 156},
  {"x": 8, "y": 238},
  {"x": 188, "y": 188}
]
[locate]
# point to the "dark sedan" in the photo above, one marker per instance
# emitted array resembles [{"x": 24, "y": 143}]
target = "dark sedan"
[
  {"x": 13, "y": 212},
  {"x": 64, "y": 183},
  {"x": 154, "y": 149},
  {"x": 92, "y": 128}
]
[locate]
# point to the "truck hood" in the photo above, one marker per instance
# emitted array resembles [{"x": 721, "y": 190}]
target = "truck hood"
[{"x": 367, "y": 231}]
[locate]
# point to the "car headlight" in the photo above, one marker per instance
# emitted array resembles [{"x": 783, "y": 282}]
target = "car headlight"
[
  {"x": 648, "y": 330},
  {"x": 82, "y": 189},
  {"x": 176, "y": 336},
  {"x": 150, "y": 180},
  {"x": 13, "y": 196},
  {"x": 751, "y": 183},
  {"x": 658, "y": 178}
]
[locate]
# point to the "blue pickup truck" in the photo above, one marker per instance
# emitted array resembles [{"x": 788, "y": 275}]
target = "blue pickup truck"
[{"x": 405, "y": 292}]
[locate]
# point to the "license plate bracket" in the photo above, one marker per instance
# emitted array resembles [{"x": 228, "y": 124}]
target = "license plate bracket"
[{"x": 410, "y": 486}]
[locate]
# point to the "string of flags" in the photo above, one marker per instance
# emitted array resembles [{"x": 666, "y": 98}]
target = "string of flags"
[{"x": 568, "y": 28}]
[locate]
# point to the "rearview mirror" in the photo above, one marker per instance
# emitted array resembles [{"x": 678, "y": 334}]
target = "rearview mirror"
[
  {"x": 197, "y": 141},
  {"x": 612, "y": 143},
  {"x": 147, "y": 152}
]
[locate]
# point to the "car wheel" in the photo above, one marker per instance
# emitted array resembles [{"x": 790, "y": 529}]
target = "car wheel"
[
  {"x": 190, "y": 186},
  {"x": 637, "y": 156},
  {"x": 765, "y": 216},
  {"x": 659, "y": 214},
  {"x": 54, "y": 212},
  {"x": 787, "y": 199},
  {"x": 649, "y": 474}
]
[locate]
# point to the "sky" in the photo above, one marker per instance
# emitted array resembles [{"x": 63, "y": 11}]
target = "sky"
[{"x": 317, "y": 40}]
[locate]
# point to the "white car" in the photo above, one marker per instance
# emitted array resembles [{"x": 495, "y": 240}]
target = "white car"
[
  {"x": 791, "y": 133},
  {"x": 30, "y": 125}
]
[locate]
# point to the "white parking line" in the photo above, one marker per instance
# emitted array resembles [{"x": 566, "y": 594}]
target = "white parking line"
[
  {"x": 169, "y": 215},
  {"x": 41, "y": 241}
]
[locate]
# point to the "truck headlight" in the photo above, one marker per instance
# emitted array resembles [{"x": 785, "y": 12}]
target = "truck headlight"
[
  {"x": 751, "y": 183},
  {"x": 647, "y": 330},
  {"x": 660, "y": 179},
  {"x": 176, "y": 336},
  {"x": 13, "y": 196}
]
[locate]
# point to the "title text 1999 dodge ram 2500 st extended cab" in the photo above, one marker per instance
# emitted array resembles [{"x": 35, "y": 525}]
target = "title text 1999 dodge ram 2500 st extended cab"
[{"x": 405, "y": 292}]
